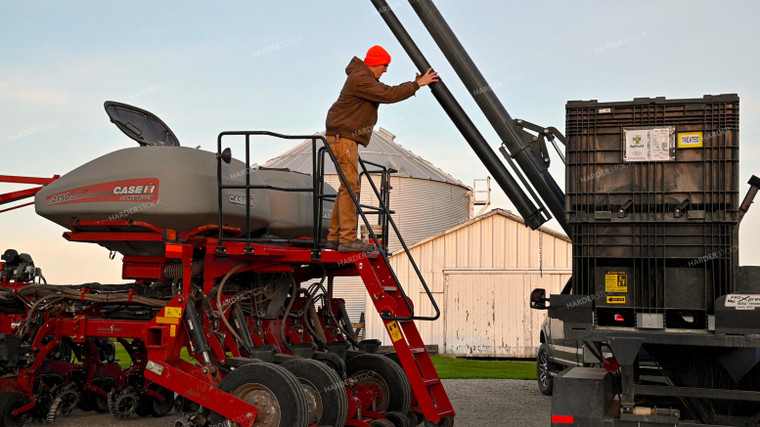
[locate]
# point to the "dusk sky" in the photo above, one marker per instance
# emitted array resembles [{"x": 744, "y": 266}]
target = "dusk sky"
[{"x": 206, "y": 67}]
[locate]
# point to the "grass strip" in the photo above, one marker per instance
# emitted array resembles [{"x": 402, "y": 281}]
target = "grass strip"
[
  {"x": 450, "y": 368},
  {"x": 447, "y": 367}
]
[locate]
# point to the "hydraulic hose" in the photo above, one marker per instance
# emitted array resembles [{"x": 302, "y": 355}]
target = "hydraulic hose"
[
  {"x": 316, "y": 331},
  {"x": 219, "y": 300},
  {"x": 70, "y": 293},
  {"x": 294, "y": 295}
]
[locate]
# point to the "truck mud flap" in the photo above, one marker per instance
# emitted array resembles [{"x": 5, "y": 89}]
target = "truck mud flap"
[{"x": 582, "y": 397}]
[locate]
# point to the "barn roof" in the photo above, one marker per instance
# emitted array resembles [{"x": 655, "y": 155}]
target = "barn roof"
[{"x": 492, "y": 212}]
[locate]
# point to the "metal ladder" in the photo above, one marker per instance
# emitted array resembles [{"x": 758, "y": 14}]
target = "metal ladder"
[{"x": 392, "y": 305}]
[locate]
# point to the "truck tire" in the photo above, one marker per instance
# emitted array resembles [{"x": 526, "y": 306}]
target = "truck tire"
[{"x": 544, "y": 372}]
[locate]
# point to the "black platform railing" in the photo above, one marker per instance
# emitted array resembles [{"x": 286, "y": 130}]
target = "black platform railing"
[
  {"x": 389, "y": 220},
  {"x": 384, "y": 215},
  {"x": 384, "y": 174},
  {"x": 225, "y": 155},
  {"x": 318, "y": 197}
]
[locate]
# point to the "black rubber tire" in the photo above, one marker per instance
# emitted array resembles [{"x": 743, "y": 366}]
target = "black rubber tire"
[
  {"x": 143, "y": 409},
  {"x": 381, "y": 423},
  {"x": 446, "y": 422},
  {"x": 415, "y": 418},
  {"x": 161, "y": 409},
  {"x": 283, "y": 385},
  {"x": 9, "y": 402},
  {"x": 399, "y": 419},
  {"x": 368, "y": 369},
  {"x": 85, "y": 404},
  {"x": 149, "y": 405},
  {"x": 544, "y": 375},
  {"x": 407, "y": 387},
  {"x": 97, "y": 401},
  {"x": 183, "y": 404},
  {"x": 323, "y": 380}
]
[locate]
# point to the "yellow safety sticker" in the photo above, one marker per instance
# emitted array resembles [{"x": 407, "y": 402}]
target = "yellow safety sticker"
[
  {"x": 616, "y": 281},
  {"x": 689, "y": 139},
  {"x": 394, "y": 331},
  {"x": 173, "y": 311},
  {"x": 173, "y": 331},
  {"x": 615, "y": 300},
  {"x": 167, "y": 320}
]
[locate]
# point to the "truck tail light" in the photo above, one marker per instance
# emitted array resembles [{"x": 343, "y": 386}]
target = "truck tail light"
[
  {"x": 610, "y": 364},
  {"x": 562, "y": 419}
]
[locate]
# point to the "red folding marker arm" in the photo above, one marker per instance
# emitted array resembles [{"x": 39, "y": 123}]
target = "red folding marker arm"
[{"x": 14, "y": 196}]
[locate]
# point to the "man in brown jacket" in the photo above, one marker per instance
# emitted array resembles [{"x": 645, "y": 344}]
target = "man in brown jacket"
[{"x": 350, "y": 121}]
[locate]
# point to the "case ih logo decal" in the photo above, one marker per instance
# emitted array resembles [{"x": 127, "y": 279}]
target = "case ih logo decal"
[
  {"x": 135, "y": 189},
  {"x": 130, "y": 190},
  {"x": 237, "y": 199}
]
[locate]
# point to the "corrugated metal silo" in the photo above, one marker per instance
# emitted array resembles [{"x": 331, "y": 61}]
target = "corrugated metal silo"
[{"x": 426, "y": 200}]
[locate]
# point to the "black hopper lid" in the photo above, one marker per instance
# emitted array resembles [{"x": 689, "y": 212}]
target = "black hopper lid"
[{"x": 141, "y": 125}]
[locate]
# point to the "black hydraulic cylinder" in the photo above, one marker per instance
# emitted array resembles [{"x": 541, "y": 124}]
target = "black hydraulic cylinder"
[
  {"x": 531, "y": 214},
  {"x": 238, "y": 318},
  {"x": 196, "y": 332},
  {"x": 489, "y": 103}
]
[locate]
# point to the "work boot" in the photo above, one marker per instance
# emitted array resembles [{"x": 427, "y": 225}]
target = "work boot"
[
  {"x": 355, "y": 246},
  {"x": 331, "y": 244}
]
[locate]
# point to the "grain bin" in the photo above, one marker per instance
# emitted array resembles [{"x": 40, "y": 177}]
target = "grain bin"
[{"x": 426, "y": 200}]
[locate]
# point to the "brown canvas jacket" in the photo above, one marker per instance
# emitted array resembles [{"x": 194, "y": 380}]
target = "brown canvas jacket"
[{"x": 354, "y": 114}]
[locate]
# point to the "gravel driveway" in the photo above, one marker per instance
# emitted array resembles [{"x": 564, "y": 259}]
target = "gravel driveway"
[{"x": 478, "y": 403}]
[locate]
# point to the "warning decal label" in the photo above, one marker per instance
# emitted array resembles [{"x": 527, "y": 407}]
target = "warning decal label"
[
  {"x": 173, "y": 311},
  {"x": 394, "y": 331},
  {"x": 616, "y": 282}
]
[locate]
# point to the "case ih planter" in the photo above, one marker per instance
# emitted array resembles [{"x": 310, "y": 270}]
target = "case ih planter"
[{"x": 229, "y": 314}]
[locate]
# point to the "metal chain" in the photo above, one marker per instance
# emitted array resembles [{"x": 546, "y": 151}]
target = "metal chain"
[{"x": 541, "y": 252}]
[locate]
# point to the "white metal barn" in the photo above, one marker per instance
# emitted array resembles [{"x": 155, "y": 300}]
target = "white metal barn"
[
  {"x": 426, "y": 200},
  {"x": 481, "y": 273}
]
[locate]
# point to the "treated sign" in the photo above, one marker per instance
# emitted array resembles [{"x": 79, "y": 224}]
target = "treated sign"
[
  {"x": 615, "y": 300},
  {"x": 616, "y": 282},
  {"x": 690, "y": 140}
]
